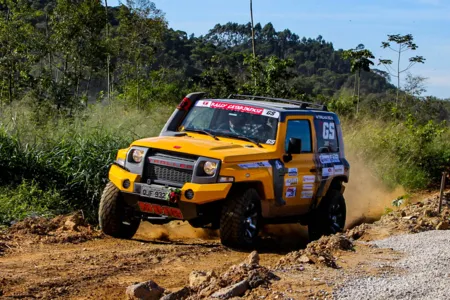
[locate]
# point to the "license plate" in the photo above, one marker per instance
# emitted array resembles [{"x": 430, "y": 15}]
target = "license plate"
[{"x": 153, "y": 192}]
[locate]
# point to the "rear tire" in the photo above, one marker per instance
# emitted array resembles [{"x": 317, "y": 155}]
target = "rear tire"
[
  {"x": 329, "y": 218},
  {"x": 115, "y": 216},
  {"x": 240, "y": 221}
]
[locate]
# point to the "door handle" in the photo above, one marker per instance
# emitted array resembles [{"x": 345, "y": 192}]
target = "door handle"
[{"x": 313, "y": 170}]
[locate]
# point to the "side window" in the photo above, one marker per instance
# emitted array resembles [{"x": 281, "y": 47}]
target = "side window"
[
  {"x": 299, "y": 129},
  {"x": 327, "y": 138}
]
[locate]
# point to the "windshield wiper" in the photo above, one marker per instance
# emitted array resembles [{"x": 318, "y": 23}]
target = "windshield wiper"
[
  {"x": 242, "y": 137},
  {"x": 202, "y": 131}
]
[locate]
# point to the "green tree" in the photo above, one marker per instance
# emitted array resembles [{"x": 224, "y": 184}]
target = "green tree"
[
  {"x": 268, "y": 77},
  {"x": 139, "y": 35},
  {"x": 360, "y": 61},
  {"x": 17, "y": 41},
  {"x": 218, "y": 82},
  {"x": 79, "y": 49},
  {"x": 404, "y": 43},
  {"x": 415, "y": 85}
]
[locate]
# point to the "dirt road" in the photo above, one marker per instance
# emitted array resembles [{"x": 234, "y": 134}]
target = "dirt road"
[
  {"x": 103, "y": 268},
  {"x": 60, "y": 258}
]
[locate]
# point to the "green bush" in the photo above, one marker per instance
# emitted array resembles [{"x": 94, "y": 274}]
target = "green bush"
[
  {"x": 70, "y": 155},
  {"x": 28, "y": 200},
  {"x": 401, "y": 153}
]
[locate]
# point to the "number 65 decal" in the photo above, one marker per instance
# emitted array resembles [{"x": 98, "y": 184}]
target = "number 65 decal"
[{"x": 328, "y": 131}]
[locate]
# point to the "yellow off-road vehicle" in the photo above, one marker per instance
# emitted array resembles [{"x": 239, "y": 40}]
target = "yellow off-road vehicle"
[{"x": 232, "y": 164}]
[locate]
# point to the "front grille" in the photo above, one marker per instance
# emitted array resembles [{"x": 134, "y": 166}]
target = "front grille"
[
  {"x": 169, "y": 168},
  {"x": 163, "y": 173}
]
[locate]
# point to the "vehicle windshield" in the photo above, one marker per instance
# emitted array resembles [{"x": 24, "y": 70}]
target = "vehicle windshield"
[{"x": 233, "y": 120}]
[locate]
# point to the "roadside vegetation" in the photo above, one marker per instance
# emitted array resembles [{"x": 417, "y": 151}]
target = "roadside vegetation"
[
  {"x": 61, "y": 165},
  {"x": 80, "y": 81}
]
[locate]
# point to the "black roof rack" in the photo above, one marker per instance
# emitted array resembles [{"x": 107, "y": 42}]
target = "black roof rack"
[{"x": 301, "y": 104}]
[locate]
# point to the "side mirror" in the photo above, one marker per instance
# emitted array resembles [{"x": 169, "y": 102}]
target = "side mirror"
[{"x": 294, "y": 147}]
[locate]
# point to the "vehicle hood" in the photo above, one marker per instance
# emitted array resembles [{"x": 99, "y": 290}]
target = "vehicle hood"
[{"x": 226, "y": 150}]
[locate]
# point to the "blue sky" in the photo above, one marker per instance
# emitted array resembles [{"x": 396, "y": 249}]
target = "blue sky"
[{"x": 345, "y": 23}]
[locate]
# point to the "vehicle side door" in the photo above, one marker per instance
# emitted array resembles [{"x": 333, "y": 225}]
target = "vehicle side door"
[{"x": 299, "y": 183}]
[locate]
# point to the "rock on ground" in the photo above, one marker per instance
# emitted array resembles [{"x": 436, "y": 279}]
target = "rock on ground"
[
  {"x": 235, "y": 290},
  {"x": 178, "y": 295},
  {"x": 145, "y": 291},
  {"x": 253, "y": 258},
  {"x": 199, "y": 278},
  {"x": 318, "y": 252}
]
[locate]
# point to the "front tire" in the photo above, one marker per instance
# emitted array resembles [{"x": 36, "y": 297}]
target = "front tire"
[
  {"x": 329, "y": 218},
  {"x": 240, "y": 221},
  {"x": 115, "y": 216}
]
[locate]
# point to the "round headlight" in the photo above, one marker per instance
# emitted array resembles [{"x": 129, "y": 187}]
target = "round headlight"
[
  {"x": 210, "y": 167},
  {"x": 137, "y": 155}
]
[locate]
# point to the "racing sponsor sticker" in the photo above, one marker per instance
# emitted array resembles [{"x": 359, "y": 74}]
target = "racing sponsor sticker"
[
  {"x": 261, "y": 164},
  {"x": 335, "y": 158},
  {"x": 324, "y": 117},
  {"x": 327, "y": 172},
  {"x": 309, "y": 179},
  {"x": 238, "y": 107},
  {"x": 292, "y": 172},
  {"x": 308, "y": 186},
  {"x": 325, "y": 158},
  {"x": 307, "y": 194},
  {"x": 291, "y": 181},
  {"x": 291, "y": 192},
  {"x": 338, "y": 169},
  {"x": 270, "y": 113},
  {"x": 278, "y": 165}
]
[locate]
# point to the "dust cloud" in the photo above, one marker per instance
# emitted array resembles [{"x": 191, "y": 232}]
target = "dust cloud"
[
  {"x": 174, "y": 231},
  {"x": 366, "y": 199},
  {"x": 365, "y": 195}
]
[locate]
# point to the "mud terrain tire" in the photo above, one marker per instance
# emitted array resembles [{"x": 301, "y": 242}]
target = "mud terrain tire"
[
  {"x": 329, "y": 218},
  {"x": 112, "y": 214},
  {"x": 241, "y": 219}
]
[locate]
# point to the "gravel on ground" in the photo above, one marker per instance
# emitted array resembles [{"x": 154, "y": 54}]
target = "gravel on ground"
[{"x": 424, "y": 273}]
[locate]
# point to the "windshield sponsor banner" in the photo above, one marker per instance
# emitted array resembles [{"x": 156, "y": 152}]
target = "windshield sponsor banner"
[{"x": 238, "y": 107}]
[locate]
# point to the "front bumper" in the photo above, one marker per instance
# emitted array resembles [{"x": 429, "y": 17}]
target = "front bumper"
[{"x": 190, "y": 208}]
